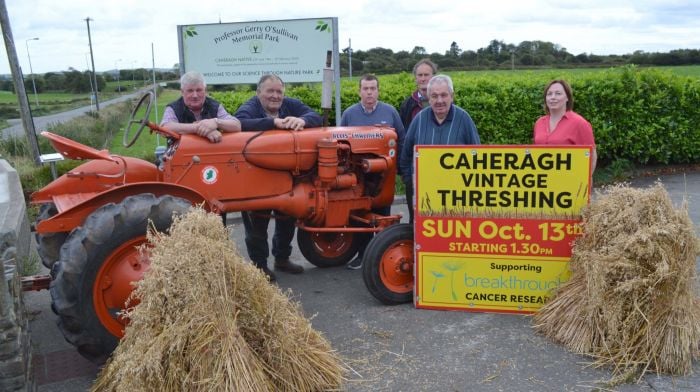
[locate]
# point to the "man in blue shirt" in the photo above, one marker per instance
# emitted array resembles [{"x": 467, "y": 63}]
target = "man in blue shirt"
[
  {"x": 270, "y": 109},
  {"x": 371, "y": 111},
  {"x": 442, "y": 123}
]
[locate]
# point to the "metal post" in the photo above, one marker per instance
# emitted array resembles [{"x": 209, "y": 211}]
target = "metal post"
[
  {"x": 350, "y": 57},
  {"x": 155, "y": 89},
  {"x": 336, "y": 68},
  {"x": 31, "y": 71},
  {"x": 119, "y": 86},
  {"x": 94, "y": 75}
]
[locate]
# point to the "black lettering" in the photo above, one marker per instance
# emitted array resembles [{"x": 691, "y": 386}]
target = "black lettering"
[
  {"x": 443, "y": 196},
  {"x": 528, "y": 162},
  {"x": 463, "y": 162},
  {"x": 467, "y": 180},
  {"x": 510, "y": 161},
  {"x": 443, "y": 158}
]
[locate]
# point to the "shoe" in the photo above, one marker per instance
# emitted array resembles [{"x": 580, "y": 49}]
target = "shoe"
[
  {"x": 355, "y": 264},
  {"x": 287, "y": 266},
  {"x": 270, "y": 274}
]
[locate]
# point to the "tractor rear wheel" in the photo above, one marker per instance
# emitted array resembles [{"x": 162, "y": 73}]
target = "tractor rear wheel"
[
  {"x": 327, "y": 249},
  {"x": 387, "y": 266},
  {"x": 49, "y": 245},
  {"x": 99, "y": 261}
]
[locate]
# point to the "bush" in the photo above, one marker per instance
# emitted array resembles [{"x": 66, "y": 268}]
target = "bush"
[{"x": 644, "y": 116}]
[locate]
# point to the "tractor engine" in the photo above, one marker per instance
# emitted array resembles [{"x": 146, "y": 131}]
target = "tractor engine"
[{"x": 320, "y": 176}]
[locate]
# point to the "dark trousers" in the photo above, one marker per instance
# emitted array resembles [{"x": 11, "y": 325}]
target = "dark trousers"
[
  {"x": 409, "y": 200},
  {"x": 255, "y": 223}
]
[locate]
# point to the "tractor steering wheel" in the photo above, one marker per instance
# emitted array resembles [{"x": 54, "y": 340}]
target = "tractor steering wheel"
[{"x": 143, "y": 123}]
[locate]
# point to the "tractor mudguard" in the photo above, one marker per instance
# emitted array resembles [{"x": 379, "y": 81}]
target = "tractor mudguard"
[
  {"x": 96, "y": 176},
  {"x": 73, "y": 210}
]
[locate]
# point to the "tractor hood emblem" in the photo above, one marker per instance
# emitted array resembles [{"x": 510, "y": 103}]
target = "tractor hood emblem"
[{"x": 209, "y": 175}]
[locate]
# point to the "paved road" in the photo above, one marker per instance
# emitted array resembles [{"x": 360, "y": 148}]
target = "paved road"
[
  {"x": 400, "y": 348},
  {"x": 43, "y": 122}
]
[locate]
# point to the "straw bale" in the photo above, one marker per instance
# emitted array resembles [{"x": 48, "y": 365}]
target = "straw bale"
[
  {"x": 632, "y": 298},
  {"x": 207, "y": 320}
]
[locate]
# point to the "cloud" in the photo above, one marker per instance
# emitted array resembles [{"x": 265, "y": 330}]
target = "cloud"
[{"x": 123, "y": 31}]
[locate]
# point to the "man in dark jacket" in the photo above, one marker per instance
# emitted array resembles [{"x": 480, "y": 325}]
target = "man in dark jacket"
[
  {"x": 422, "y": 71},
  {"x": 270, "y": 109}
]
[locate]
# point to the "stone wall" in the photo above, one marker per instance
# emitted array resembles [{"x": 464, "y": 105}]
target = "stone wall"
[{"x": 15, "y": 347}]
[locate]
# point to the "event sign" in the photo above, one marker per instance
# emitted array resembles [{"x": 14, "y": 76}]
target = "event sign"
[
  {"x": 494, "y": 225},
  {"x": 233, "y": 53}
]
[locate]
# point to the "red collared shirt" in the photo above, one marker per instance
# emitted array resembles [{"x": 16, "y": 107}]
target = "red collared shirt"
[{"x": 572, "y": 129}]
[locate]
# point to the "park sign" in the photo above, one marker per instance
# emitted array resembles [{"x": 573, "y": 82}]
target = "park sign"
[
  {"x": 234, "y": 53},
  {"x": 494, "y": 225}
]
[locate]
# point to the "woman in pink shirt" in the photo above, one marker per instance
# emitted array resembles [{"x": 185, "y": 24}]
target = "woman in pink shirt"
[{"x": 561, "y": 125}]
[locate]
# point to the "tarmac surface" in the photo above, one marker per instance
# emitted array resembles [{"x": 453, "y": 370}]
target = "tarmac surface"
[
  {"x": 41, "y": 123},
  {"x": 400, "y": 348}
]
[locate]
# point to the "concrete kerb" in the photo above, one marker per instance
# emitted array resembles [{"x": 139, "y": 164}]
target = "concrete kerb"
[{"x": 15, "y": 347}]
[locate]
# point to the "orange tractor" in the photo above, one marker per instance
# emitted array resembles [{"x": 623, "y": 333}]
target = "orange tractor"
[{"x": 93, "y": 218}]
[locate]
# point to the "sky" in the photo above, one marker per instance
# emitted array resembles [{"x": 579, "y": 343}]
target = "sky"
[{"x": 130, "y": 33}]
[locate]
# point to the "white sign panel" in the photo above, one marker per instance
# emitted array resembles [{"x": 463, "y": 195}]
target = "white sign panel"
[{"x": 231, "y": 53}]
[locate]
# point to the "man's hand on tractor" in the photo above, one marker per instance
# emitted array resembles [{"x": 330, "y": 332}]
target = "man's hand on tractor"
[
  {"x": 208, "y": 129},
  {"x": 214, "y": 136},
  {"x": 293, "y": 123}
]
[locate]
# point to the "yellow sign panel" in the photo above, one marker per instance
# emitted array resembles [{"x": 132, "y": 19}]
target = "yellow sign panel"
[
  {"x": 494, "y": 225},
  {"x": 488, "y": 283},
  {"x": 502, "y": 181}
]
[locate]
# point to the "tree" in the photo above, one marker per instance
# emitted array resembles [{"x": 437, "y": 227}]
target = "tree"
[
  {"x": 38, "y": 82},
  {"x": 418, "y": 51},
  {"x": 454, "y": 51},
  {"x": 468, "y": 58},
  {"x": 79, "y": 82},
  {"x": 381, "y": 61},
  {"x": 55, "y": 81},
  {"x": 7, "y": 85}
]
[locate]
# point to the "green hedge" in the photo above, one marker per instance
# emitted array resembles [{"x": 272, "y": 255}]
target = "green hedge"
[{"x": 640, "y": 115}]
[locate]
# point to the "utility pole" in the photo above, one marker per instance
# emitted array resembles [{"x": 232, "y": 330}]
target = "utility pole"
[
  {"x": 24, "y": 110},
  {"x": 119, "y": 86},
  {"x": 92, "y": 59},
  {"x": 92, "y": 88}
]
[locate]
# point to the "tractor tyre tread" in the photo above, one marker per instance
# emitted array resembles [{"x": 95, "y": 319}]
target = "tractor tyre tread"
[
  {"x": 82, "y": 255},
  {"x": 48, "y": 245},
  {"x": 371, "y": 263}
]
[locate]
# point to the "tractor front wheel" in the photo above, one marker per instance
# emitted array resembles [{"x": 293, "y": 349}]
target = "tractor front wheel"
[
  {"x": 93, "y": 277},
  {"x": 327, "y": 249},
  {"x": 387, "y": 266}
]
